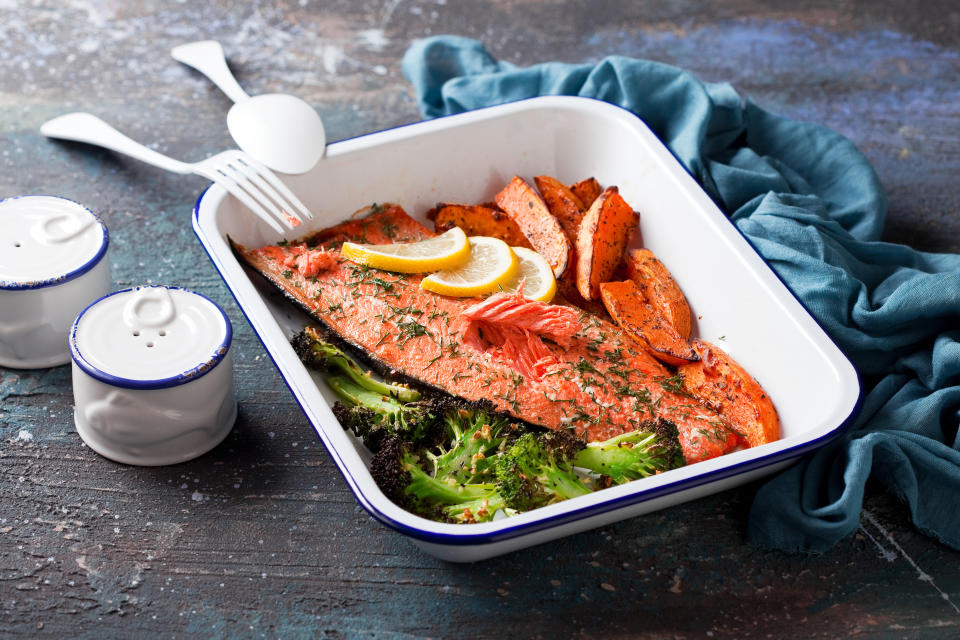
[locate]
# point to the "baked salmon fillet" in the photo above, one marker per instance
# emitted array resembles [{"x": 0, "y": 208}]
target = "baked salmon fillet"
[{"x": 554, "y": 365}]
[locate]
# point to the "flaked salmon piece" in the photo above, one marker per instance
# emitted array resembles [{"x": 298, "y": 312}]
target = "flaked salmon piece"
[
  {"x": 519, "y": 348},
  {"x": 596, "y": 381},
  {"x": 554, "y": 322},
  {"x": 512, "y": 328},
  {"x": 310, "y": 262}
]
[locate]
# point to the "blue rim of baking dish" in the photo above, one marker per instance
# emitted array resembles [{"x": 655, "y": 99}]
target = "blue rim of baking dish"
[
  {"x": 189, "y": 375},
  {"x": 7, "y": 285},
  {"x": 639, "y": 495}
]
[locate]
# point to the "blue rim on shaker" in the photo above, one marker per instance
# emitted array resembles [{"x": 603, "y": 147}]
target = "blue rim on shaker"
[
  {"x": 73, "y": 273},
  {"x": 189, "y": 375}
]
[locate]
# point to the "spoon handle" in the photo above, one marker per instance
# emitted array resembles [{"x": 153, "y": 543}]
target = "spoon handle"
[
  {"x": 206, "y": 56},
  {"x": 86, "y": 127}
]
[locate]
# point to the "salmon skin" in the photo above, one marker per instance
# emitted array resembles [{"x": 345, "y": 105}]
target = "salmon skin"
[{"x": 599, "y": 383}]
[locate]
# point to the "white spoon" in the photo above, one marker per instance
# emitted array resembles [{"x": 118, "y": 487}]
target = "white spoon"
[{"x": 281, "y": 131}]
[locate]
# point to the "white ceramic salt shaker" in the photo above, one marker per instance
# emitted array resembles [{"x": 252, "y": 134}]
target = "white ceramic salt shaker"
[
  {"x": 52, "y": 265},
  {"x": 153, "y": 375}
]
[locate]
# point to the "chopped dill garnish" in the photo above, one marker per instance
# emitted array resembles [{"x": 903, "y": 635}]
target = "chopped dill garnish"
[
  {"x": 411, "y": 329},
  {"x": 584, "y": 366},
  {"x": 626, "y": 390},
  {"x": 672, "y": 383},
  {"x": 617, "y": 371},
  {"x": 615, "y": 356},
  {"x": 389, "y": 229}
]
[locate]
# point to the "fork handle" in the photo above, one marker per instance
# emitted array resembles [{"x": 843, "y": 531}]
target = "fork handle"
[
  {"x": 86, "y": 127},
  {"x": 208, "y": 58}
]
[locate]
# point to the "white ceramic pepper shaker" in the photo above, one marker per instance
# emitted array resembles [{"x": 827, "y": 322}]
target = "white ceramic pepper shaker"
[
  {"x": 153, "y": 375},
  {"x": 52, "y": 264}
]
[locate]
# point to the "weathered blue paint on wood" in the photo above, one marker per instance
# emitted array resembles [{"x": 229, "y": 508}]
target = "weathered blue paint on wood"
[{"x": 261, "y": 537}]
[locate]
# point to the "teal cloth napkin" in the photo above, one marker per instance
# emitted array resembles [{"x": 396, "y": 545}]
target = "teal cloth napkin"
[{"x": 813, "y": 207}]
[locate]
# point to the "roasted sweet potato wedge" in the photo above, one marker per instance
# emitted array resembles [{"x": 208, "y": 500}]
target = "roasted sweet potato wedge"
[
  {"x": 604, "y": 233},
  {"x": 478, "y": 220},
  {"x": 567, "y": 288},
  {"x": 587, "y": 190},
  {"x": 636, "y": 315},
  {"x": 565, "y": 206},
  {"x": 660, "y": 289},
  {"x": 522, "y": 203},
  {"x": 721, "y": 384}
]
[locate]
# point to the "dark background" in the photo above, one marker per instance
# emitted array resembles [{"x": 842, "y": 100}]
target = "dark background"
[{"x": 262, "y": 537}]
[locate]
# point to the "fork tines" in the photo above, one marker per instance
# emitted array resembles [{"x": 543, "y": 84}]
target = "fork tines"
[{"x": 259, "y": 189}]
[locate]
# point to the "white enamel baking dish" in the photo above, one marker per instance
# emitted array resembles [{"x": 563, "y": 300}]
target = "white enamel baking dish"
[{"x": 735, "y": 298}]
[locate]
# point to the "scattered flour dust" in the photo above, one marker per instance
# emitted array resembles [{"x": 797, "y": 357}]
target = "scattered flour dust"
[
  {"x": 197, "y": 496},
  {"x": 373, "y": 39},
  {"x": 24, "y": 436}
]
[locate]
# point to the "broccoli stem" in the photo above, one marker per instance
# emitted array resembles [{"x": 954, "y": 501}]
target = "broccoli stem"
[
  {"x": 425, "y": 487},
  {"x": 318, "y": 353},
  {"x": 356, "y": 394},
  {"x": 479, "y": 510},
  {"x": 563, "y": 483},
  {"x": 634, "y": 454}
]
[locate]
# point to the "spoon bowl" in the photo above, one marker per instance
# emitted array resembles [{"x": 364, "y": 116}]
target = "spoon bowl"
[{"x": 281, "y": 131}]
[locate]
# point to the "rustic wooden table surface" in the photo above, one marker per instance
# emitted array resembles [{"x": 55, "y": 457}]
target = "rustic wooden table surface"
[{"x": 262, "y": 537}]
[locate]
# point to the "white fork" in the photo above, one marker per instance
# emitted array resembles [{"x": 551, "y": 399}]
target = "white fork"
[{"x": 246, "y": 179}]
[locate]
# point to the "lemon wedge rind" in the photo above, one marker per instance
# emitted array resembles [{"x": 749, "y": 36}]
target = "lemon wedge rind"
[
  {"x": 492, "y": 262},
  {"x": 445, "y": 251},
  {"x": 539, "y": 283}
]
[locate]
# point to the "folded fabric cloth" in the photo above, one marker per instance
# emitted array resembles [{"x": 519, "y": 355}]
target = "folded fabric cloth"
[{"x": 813, "y": 207}]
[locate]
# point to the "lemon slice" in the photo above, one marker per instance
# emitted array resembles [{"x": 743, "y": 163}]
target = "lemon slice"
[
  {"x": 446, "y": 251},
  {"x": 492, "y": 262},
  {"x": 536, "y": 275}
]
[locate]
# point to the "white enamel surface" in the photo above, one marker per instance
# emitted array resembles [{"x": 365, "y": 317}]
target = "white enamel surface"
[
  {"x": 43, "y": 241},
  {"x": 144, "y": 335},
  {"x": 44, "y": 237},
  {"x": 736, "y": 300},
  {"x": 281, "y": 131},
  {"x": 150, "y": 427},
  {"x": 150, "y": 333},
  {"x": 34, "y": 323},
  {"x": 475, "y": 552}
]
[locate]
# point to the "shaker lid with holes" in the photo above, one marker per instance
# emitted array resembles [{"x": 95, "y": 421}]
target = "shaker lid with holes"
[
  {"x": 46, "y": 240},
  {"x": 151, "y": 337}
]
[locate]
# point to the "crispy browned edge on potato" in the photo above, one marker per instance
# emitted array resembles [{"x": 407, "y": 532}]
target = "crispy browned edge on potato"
[
  {"x": 522, "y": 203},
  {"x": 630, "y": 309},
  {"x": 565, "y": 206},
  {"x": 478, "y": 220},
  {"x": 587, "y": 190},
  {"x": 603, "y": 236},
  {"x": 659, "y": 288},
  {"x": 720, "y": 383}
]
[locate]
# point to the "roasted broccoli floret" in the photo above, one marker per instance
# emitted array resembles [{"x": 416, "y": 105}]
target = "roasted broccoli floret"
[
  {"x": 478, "y": 510},
  {"x": 397, "y": 470},
  {"x": 457, "y": 481},
  {"x": 369, "y": 407},
  {"x": 374, "y": 416},
  {"x": 474, "y": 433},
  {"x": 635, "y": 454},
  {"x": 537, "y": 469},
  {"x": 317, "y": 353}
]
